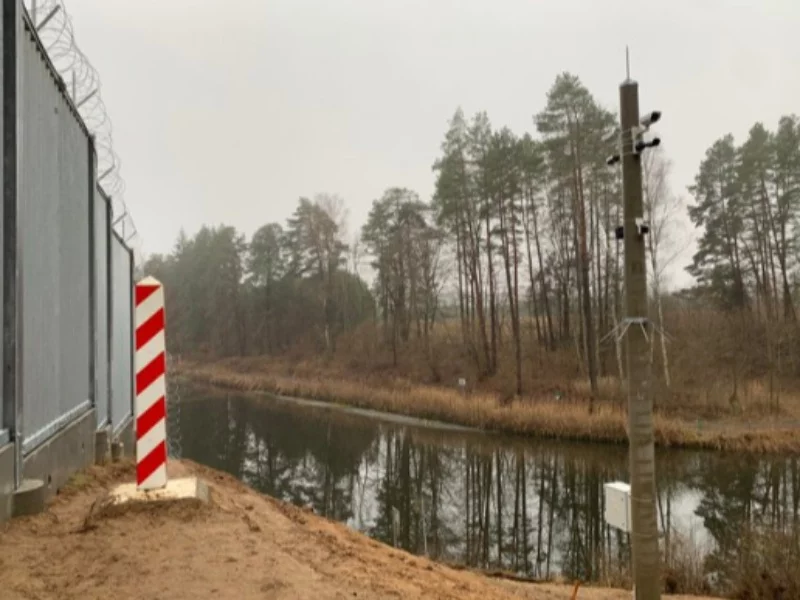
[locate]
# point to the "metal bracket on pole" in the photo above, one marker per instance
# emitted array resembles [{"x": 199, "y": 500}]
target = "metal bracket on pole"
[
  {"x": 48, "y": 18},
  {"x": 105, "y": 174},
  {"x": 119, "y": 218},
  {"x": 619, "y": 331},
  {"x": 87, "y": 97}
]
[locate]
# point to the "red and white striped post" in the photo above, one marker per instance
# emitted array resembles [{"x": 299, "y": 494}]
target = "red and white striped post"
[{"x": 151, "y": 388}]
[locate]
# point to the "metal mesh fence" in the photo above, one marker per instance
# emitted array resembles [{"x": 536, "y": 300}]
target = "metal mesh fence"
[
  {"x": 174, "y": 434},
  {"x": 53, "y": 259},
  {"x": 121, "y": 334},
  {"x": 102, "y": 308}
]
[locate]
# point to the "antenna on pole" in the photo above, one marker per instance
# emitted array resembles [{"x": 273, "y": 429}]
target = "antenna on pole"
[{"x": 627, "y": 63}]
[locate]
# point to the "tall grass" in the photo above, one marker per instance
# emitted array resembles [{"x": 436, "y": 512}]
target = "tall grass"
[
  {"x": 764, "y": 567},
  {"x": 769, "y": 568}
]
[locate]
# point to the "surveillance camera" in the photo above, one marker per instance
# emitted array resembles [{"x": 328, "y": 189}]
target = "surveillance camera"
[
  {"x": 650, "y": 118},
  {"x": 640, "y": 146}
]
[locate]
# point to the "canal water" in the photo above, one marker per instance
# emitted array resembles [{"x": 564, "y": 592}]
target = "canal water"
[{"x": 534, "y": 507}]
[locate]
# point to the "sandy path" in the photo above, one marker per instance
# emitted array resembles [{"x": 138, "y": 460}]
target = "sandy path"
[{"x": 242, "y": 546}]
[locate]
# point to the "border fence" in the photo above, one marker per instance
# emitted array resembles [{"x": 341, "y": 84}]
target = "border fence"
[{"x": 67, "y": 280}]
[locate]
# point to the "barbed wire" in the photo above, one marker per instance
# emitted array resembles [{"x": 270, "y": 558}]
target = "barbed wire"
[{"x": 54, "y": 26}]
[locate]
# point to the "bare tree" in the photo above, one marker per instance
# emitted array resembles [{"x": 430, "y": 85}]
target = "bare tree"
[{"x": 661, "y": 209}]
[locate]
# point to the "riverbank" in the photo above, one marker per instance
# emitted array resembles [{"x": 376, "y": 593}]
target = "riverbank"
[
  {"x": 543, "y": 416},
  {"x": 242, "y": 546}
]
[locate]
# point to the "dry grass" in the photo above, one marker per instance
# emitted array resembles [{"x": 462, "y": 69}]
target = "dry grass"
[
  {"x": 769, "y": 567},
  {"x": 541, "y": 416},
  {"x": 703, "y": 384}
]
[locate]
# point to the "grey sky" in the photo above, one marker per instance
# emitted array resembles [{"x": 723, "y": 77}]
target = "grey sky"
[{"x": 228, "y": 111}]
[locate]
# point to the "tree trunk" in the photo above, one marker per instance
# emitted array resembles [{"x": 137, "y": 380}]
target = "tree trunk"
[
  {"x": 548, "y": 316},
  {"x": 492, "y": 307},
  {"x": 588, "y": 326},
  {"x": 477, "y": 294},
  {"x": 515, "y": 317},
  {"x": 461, "y": 311},
  {"x": 531, "y": 279},
  {"x": 506, "y": 222}
]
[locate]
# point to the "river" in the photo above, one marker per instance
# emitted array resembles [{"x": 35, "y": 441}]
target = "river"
[{"x": 530, "y": 506}]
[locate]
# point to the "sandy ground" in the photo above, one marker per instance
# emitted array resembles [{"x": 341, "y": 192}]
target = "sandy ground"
[{"x": 240, "y": 546}]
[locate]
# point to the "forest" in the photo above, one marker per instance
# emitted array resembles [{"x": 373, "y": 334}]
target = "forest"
[{"x": 510, "y": 275}]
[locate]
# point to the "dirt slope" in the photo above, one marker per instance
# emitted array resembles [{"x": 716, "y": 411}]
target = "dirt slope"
[{"x": 242, "y": 546}]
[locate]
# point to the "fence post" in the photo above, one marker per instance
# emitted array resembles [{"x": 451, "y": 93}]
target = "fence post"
[
  {"x": 109, "y": 317},
  {"x": 132, "y": 337},
  {"x": 151, "y": 389},
  {"x": 12, "y": 284},
  {"x": 92, "y": 277}
]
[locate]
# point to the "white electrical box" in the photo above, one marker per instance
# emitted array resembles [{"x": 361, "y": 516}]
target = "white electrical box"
[{"x": 618, "y": 505}]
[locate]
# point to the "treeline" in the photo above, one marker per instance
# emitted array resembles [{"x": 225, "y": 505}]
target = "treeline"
[
  {"x": 514, "y": 259},
  {"x": 286, "y": 286},
  {"x": 747, "y": 204}
]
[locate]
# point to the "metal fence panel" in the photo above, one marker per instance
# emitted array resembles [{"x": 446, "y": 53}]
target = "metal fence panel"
[
  {"x": 4, "y": 435},
  {"x": 75, "y": 234},
  {"x": 121, "y": 333},
  {"x": 102, "y": 313},
  {"x": 54, "y": 257}
]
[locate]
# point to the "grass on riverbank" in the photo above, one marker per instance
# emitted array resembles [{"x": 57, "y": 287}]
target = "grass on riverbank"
[{"x": 545, "y": 416}]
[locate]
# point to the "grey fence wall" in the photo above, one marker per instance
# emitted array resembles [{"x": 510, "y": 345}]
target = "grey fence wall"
[
  {"x": 67, "y": 278},
  {"x": 6, "y": 414},
  {"x": 102, "y": 306},
  {"x": 54, "y": 235},
  {"x": 121, "y": 333}
]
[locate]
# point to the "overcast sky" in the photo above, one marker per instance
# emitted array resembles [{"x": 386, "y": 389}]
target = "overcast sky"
[{"x": 230, "y": 110}]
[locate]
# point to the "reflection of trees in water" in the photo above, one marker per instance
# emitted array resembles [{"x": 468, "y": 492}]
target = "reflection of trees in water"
[
  {"x": 306, "y": 458},
  {"x": 529, "y": 506},
  {"x": 412, "y": 477},
  {"x": 214, "y": 434}
]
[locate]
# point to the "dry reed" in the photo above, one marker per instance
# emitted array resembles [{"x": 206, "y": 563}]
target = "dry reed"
[{"x": 543, "y": 416}]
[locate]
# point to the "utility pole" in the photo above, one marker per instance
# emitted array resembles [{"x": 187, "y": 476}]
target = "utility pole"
[
  {"x": 644, "y": 526},
  {"x": 646, "y": 559}
]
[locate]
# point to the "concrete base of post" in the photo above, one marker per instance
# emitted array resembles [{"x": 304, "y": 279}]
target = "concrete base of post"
[
  {"x": 6, "y": 481},
  {"x": 102, "y": 446},
  {"x": 176, "y": 490},
  {"x": 64, "y": 454},
  {"x": 29, "y": 498},
  {"x": 125, "y": 435}
]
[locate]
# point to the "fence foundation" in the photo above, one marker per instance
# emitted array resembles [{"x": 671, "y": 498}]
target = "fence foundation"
[
  {"x": 67, "y": 452},
  {"x": 125, "y": 438},
  {"x": 6, "y": 481},
  {"x": 29, "y": 498},
  {"x": 102, "y": 446}
]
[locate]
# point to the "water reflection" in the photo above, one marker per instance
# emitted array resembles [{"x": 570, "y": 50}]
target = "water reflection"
[{"x": 530, "y": 506}]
